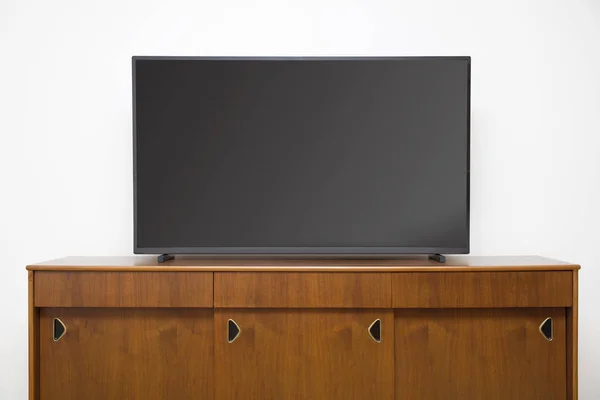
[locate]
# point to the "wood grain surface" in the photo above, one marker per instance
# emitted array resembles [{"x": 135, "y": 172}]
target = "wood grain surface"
[
  {"x": 482, "y": 289},
  {"x": 34, "y": 344},
  {"x": 302, "y": 289},
  {"x": 133, "y": 354},
  {"x": 572, "y": 345},
  {"x": 304, "y": 354},
  {"x": 466, "y": 354},
  {"x": 305, "y": 264},
  {"x": 123, "y": 289}
]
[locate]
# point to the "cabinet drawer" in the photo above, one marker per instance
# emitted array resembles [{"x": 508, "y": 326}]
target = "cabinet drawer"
[
  {"x": 123, "y": 289},
  {"x": 302, "y": 289},
  {"x": 482, "y": 289}
]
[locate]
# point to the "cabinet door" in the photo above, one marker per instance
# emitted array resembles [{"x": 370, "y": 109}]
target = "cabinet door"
[
  {"x": 480, "y": 354},
  {"x": 126, "y": 353},
  {"x": 304, "y": 354}
]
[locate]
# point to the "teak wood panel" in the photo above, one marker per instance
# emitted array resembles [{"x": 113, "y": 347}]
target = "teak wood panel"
[
  {"x": 301, "y": 264},
  {"x": 123, "y": 289},
  {"x": 469, "y": 354},
  {"x": 572, "y": 346},
  {"x": 34, "y": 344},
  {"x": 304, "y": 354},
  {"x": 133, "y": 354},
  {"x": 302, "y": 289},
  {"x": 482, "y": 289}
]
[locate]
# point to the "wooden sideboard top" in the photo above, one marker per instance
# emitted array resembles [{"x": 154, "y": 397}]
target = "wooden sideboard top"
[{"x": 190, "y": 263}]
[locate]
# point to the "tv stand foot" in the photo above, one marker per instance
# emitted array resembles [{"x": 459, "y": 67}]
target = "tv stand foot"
[
  {"x": 437, "y": 257},
  {"x": 165, "y": 257}
]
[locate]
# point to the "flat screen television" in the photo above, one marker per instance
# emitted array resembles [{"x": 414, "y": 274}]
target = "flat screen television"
[{"x": 301, "y": 156}]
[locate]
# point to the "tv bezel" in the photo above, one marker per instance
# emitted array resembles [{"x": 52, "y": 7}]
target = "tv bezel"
[{"x": 300, "y": 251}]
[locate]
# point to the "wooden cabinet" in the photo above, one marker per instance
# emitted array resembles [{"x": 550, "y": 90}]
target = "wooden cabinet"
[
  {"x": 471, "y": 354},
  {"x": 126, "y": 353},
  {"x": 304, "y": 354},
  {"x": 472, "y": 328}
]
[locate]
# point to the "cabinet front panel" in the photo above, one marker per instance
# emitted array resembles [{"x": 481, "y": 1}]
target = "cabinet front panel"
[
  {"x": 133, "y": 354},
  {"x": 123, "y": 289},
  {"x": 474, "y": 354},
  {"x": 302, "y": 290},
  {"x": 482, "y": 289},
  {"x": 304, "y": 354}
]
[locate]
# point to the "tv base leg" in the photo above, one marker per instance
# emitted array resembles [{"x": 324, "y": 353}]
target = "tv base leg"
[
  {"x": 165, "y": 257},
  {"x": 437, "y": 257}
]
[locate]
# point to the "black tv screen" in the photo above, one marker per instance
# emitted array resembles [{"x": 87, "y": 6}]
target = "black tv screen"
[{"x": 301, "y": 155}]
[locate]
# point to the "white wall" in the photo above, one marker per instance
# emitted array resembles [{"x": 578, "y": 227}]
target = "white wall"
[{"x": 65, "y": 122}]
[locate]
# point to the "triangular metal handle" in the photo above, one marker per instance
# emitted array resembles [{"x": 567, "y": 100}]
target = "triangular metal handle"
[
  {"x": 233, "y": 330},
  {"x": 375, "y": 330},
  {"x": 59, "y": 329},
  {"x": 547, "y": 329}
]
